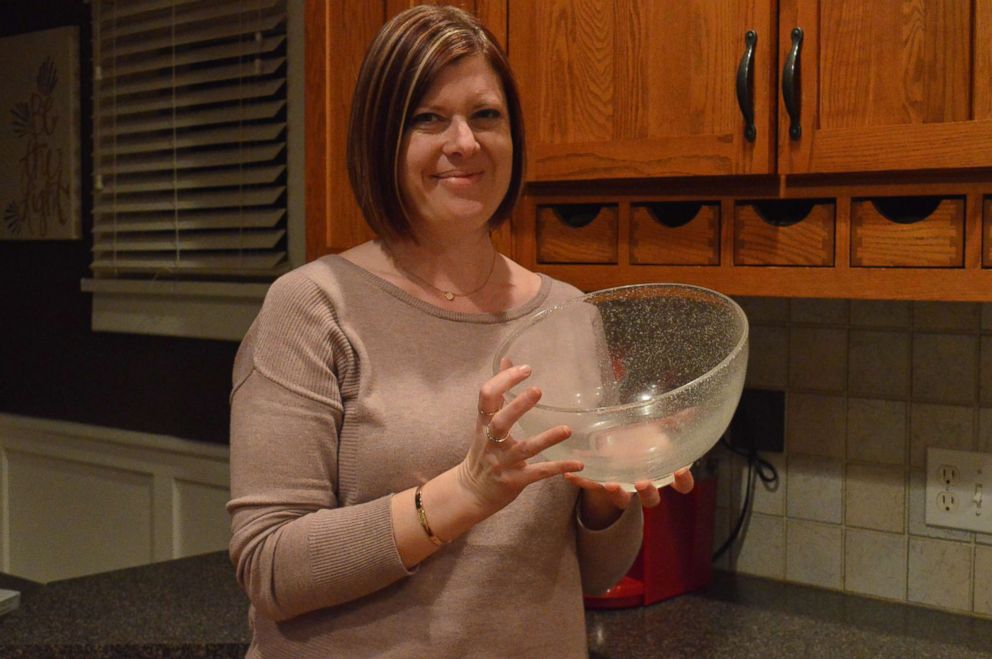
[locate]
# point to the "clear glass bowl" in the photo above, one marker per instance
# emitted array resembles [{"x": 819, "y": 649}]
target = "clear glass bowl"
[{"x": 646, "y": 376}]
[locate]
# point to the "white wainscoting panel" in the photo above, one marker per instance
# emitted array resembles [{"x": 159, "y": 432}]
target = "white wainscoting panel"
[
  {"x": 200, "y": 518},
  {"x": 77, "y": 499}
]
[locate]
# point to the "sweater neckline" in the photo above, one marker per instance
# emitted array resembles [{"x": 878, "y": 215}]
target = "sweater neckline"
[{"x": 459, "y": 316}]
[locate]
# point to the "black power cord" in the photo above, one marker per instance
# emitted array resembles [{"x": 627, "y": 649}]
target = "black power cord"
[{"x": 756, "y": 465}]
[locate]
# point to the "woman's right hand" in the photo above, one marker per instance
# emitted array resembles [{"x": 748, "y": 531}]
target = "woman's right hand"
[{"x": 495, "y": 472}]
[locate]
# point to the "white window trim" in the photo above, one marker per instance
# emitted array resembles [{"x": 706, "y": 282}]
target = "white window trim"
[{"x": 216, "y": 310}]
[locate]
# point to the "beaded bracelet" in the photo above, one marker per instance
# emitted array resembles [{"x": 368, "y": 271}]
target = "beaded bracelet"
[{"x": 418, "y": 500}]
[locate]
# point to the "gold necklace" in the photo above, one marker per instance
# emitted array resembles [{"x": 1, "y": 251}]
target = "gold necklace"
[{"x": 446, "y": 294}]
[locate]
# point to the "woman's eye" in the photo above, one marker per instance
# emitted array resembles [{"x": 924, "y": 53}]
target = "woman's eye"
[
  {"x": 488, "y": 115},
  {"x": 425, "y": 119}
]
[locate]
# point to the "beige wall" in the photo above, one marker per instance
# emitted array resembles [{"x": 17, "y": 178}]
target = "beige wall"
[{"x": 869, "y": 385}]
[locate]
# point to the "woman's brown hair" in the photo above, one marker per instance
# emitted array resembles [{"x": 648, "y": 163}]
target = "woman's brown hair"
[{"x": 404, "y": 59}]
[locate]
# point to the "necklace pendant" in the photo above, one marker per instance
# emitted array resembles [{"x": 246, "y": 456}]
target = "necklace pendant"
[{"x": 448, "y": 295}]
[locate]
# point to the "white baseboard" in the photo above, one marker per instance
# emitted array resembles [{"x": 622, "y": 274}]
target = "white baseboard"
[{"x": 78, "y": 499}]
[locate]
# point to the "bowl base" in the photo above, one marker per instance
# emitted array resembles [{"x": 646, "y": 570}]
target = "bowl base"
[{"x": 660, "y": 483}]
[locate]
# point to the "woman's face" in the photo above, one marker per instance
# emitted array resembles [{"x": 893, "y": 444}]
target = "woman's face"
[{"x": 456, "y": 155}]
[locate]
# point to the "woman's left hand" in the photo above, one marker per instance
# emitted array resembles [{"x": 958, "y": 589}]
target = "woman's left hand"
[{"x": 602, "y": 502}]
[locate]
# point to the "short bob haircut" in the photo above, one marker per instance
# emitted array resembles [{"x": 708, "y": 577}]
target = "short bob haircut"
[{"x": 404, "y": 59}]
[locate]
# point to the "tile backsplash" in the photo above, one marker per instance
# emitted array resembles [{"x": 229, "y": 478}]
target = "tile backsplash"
[{"x": 869, "y": 386}]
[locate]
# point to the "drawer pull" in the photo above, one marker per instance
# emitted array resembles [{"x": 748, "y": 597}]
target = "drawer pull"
[
  {"x": 745, "y": 85},
  {"x": 906, "y": 210},
  {"x": 577, "y": 215},
  {"x": 784, "y": 212},
  {"x": 674, "y": 214}
]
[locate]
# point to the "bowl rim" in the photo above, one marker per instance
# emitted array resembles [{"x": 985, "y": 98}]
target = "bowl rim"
[{"x": 544, "y": 313}]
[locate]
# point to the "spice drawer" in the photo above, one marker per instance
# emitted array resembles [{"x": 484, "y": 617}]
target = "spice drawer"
[
  {"x": 675, "y": 233},
  {"x": 784, "y": 232},
  {"x": 577, "y": 233},
  {"x": 921, "y": 232}
]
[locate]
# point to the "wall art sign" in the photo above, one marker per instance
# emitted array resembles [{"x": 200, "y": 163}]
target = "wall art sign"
[{"x": 39, "y": 135}]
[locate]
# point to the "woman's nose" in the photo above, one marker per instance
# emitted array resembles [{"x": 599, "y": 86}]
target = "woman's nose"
[{"x": 460, "y": 139}]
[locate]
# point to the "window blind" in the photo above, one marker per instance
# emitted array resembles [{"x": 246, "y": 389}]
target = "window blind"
[{"x": 190, "y": 139}]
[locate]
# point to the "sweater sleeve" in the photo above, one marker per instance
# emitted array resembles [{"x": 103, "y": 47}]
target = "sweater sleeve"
[
  {"x": 607, "y": 554},
  {"x": 295, "y": 549}
]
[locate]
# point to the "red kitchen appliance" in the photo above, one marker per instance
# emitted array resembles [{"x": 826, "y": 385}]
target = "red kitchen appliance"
[{"x": 676, "y": 555}]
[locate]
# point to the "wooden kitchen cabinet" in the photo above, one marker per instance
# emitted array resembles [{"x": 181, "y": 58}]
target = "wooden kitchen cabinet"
[
  {"x": 337, "y": 35},
  {"x": 887, "y": 85},
  {"x": 619, "y": 89},
  {"x": 615, "y": 89},
  {"x": 631, "y": 108}
]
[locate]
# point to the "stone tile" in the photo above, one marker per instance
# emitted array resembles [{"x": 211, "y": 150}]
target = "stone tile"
[
  {"x": 875, "y": 497},
  {"x": 762, "y": 310},
  {"x": 880, "y": 313},
  {"x": 815, "y": 424},
  {"x": 819, "y": 312},
  {"x": 940, "y": 573},
  {"x": 984, "y": 430},
  {"x": 816, "y": 488},
  {"x": 940, "y": 426},
  {"x": 983, "y": 538},
  {"x": 875, "y": 563},
  {"x": 946, "y": 315},
  {"x": 814, "y": 554},
  {"x": 879, "y": 364},
  {"x": 762, "y": 550},
  {"x": 876, "y": 431},
  {"x": 767, "y": 357},
  {"x": 985, "y": 371},
  {"x": 818, "y": 359},
  {"x": 918, "y": 512},
  {"x": 944, "y": 369},
  {"x": 983, "y": 580}
]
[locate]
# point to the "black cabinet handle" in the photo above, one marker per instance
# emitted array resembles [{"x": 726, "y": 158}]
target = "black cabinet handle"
[
  {"x": 745, "y": 85},
  {"x": 790, "y": 84}
]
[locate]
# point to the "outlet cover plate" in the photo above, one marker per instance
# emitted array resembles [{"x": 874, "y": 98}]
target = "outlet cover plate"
[{"x": 953, "y": 480}]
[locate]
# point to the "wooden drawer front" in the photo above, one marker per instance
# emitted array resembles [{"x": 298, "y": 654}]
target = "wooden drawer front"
[
  {"x": 784, "y": 232},
  {"x": 925, "y": 232},
  {"x": 675, "y": 233},
  {"x": 987, "y": 233},
  {"x": 577, "y": 233}
]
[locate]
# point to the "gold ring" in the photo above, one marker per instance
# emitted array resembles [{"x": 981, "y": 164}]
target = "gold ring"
[
  {"x": 493, "y": 438},
  {"x": 489, "y": 415}
]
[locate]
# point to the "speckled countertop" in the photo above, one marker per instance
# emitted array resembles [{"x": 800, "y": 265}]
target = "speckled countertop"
[{"x": 193, "y": 608}]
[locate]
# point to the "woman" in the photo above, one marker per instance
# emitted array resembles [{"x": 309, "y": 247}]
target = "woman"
[{"x": 381, "y": 506}]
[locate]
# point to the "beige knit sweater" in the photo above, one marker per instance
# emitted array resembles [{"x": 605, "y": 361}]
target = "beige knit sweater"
[{"x": 346, "y": 390}]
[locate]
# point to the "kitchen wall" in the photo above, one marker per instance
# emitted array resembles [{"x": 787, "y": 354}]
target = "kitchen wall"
[
  {"x": 869, "y": 386},
  {"x": 51, "y": 364}
]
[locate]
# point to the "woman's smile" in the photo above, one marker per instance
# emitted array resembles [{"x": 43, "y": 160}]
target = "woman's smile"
[{"x": 459, "y": 179}]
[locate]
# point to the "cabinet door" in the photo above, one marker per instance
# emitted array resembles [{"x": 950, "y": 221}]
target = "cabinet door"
[
  {"x": 888, "y": 85},
  {"x": 337, "y": 35},
  {"x": 639, "y": 88}
]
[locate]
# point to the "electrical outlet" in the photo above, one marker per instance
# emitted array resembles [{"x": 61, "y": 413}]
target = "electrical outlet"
[
  {"x": 946, "y": 501},
  {"x": 948, "y": 474},
  {"x": 959, "y": 490}
]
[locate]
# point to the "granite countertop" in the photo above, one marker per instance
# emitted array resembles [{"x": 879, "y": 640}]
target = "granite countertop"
[{"x": 192, "y": 607}]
